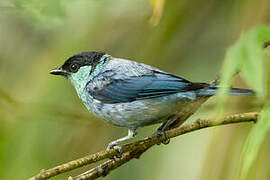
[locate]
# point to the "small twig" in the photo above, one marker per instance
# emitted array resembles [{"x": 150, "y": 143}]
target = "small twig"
[
  {"x": 108, "y": 166},
  {"x": 134, "y": 150},
  {"x": 105, "y": 168}
]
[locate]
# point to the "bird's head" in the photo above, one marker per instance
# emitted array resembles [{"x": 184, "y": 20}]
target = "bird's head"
[{"x": 80, "y": 68}]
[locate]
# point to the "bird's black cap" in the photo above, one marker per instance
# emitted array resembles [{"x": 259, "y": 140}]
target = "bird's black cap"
[{"x": 73, "y": 63}]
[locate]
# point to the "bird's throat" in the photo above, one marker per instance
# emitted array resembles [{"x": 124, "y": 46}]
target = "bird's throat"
[{"x": 82, "y": 77}]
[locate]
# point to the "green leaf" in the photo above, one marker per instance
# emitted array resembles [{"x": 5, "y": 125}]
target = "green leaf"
[
  {"x": 253, "y": 143},
  {"x": 229, "y": 69},
  {"x": 252, "y": 62},
  {"x": 247, "y": 57}
]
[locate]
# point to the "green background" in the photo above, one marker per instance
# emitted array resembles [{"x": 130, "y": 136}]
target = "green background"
[{"x": 43, "y": 122}]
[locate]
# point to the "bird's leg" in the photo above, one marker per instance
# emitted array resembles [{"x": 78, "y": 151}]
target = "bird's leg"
[
  {"x": 164, "y": 127},
  {"x": 114, "y": 144},
  {"x": 161, "y": 131}
]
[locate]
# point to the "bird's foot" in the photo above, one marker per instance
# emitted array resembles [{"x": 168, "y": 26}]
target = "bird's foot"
[
  {"x": 118, "y": 148},
  {"x": 163, "y": 133}
]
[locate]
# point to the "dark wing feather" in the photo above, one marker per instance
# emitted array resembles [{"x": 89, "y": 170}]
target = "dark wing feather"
[{"x": 149, "y": 85}]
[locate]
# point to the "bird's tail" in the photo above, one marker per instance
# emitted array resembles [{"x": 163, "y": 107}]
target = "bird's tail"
[{"x": 212, "y": 90}]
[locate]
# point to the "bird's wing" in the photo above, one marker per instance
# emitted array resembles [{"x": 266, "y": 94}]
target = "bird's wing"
[{"x": 149, "y": 85}]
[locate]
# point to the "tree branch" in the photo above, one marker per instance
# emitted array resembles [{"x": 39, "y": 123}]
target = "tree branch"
[{"x": 135, "y": 149}]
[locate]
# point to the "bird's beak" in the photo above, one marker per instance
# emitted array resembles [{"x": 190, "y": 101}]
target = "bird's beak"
[{"x": 59, "y": 71}]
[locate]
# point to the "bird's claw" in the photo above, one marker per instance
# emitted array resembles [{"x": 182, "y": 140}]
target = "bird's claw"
[
  {"x": 119, "y": 150},
  {"x": 166, "y": 141},
  {"x": 163, "y": 133}
]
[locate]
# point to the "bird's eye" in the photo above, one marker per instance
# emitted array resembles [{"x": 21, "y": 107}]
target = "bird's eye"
[{"x": 74, "y": 68}]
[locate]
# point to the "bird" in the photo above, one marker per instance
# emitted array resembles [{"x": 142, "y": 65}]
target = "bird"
[{"x": 130, "y": 94}]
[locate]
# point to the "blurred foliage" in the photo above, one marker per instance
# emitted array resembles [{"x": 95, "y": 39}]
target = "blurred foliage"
[
  {"x": 43, "y": 123},
  {"x": 253, "y": 143},
  {"x": 247, "y": 56},
  {"x": 158, "y": 6}
]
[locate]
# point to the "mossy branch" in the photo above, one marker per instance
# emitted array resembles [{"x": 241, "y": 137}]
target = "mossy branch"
[{"x": 136, "y": 149}]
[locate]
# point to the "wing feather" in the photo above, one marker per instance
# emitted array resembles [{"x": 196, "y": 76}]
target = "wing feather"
[{"x": 149, "y": 85}]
